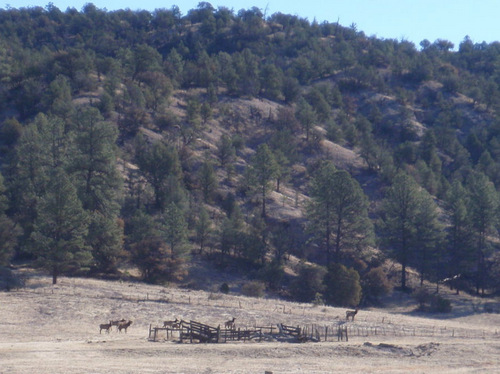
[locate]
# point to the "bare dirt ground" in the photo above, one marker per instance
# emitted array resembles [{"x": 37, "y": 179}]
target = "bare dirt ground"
[{"x": 55, "y": 329}]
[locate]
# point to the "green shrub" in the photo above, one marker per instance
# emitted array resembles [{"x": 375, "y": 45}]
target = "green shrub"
[
  {"x": 343, "y": 286},
  {"x": 431, "y": 303},
  {"x": 318, "y": 299},
  {"x": 224, "y": 288},
  {"x": 9, "y": 280},
  {"x": 308, "y": 283},
  {"x": 272, "y": 274},
  {"x": 422, "y": 297},
  {"x": 253, "y": 289},
  {"x": 440, "y": 305},
  {"x": 375, "y": 284}
]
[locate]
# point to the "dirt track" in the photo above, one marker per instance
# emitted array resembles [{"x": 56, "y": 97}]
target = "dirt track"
[{"x": 54, "y": 329}]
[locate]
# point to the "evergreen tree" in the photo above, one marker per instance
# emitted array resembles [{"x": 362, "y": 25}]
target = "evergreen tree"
[
  {"x": 207, "y": 179},
  {"x": 459, "y": 235},
  {"x": 159, "y": 164},
  {"x": 226, "y": 153},
  {"x": 428, "y": 239},
  {"x": 174, "y": 231},
  {"x": 483, "y": 205},
  {"x": 58, "y": 239},
  {"x": 231, "y": 231},
  {"x": 43, "y": 147},
  {"x": 9, "y": 230},
  {"x": 338, "y": 212},
  {"x": 148, "y": 250},
  {"x": 99, "y": 185},
  {"x": 264, "y": 168},
  {"x": 203, "y": 228},
  {"x": 306, "y": 116},
  {"x": 400, "y": 209}
]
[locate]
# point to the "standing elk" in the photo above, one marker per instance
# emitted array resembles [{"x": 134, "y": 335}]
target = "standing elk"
[
  {"x": 116, "y": 323},
  {"x": 105, "y": 326},
  {"x": 351, "y": 313},
  {"x": 124, "y": 325},
  {"x": 172, "y": 324},
  {"x": 230, "y": 324}
]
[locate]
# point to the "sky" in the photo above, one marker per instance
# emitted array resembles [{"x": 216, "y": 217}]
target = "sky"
[{"x": 411, "y": 20}]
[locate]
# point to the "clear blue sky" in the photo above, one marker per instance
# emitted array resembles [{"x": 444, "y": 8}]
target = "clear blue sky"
[{"x": 413, "y": 20}]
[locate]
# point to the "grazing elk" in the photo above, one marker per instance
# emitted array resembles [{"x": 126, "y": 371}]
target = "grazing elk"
[
  {"x": 172, "y": 324},
  {"x": 230, "y": 324},
  {"x": 105, "y": 326},
  {"x": 351, "y": 313},
  {"x": 124, "y": 325}
]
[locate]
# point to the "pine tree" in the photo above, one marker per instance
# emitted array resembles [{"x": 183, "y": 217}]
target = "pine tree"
[
  {"x": 306, "y": 116},
  {"x": 459, "y": 235},
  {"x": 338, "y": 212},
  {"x": 428, "y": 239},
  {"x": 159, "y": 164},
  {"x": 99, "y": 184},
  {"x": 43, "y": 147},
  {"x": 264, "y": 168},
  {"x": 174, "y": 231},
  {"x": 58, "y": 239},
  {"x": 203, "y": 228},
  {"x": 207, "y": 180},
  {"x": 400, "y": 209},
  {"x": 483, "y": 205},
  {"x": 9, "y": 230}
]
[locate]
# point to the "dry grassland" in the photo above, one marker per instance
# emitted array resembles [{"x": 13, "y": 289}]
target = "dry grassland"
[{"x": 55, "y": 329}]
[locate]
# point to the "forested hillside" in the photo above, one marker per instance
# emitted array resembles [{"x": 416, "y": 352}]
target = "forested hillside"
[{"x": 309, "y": 159}]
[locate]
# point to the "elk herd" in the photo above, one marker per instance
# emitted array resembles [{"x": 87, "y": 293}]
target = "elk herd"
[
  {"x": 176, "y": 324},
  {"x": 120, "y": 325}
]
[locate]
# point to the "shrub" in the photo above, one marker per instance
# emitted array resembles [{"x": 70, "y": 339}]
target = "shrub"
[
  {"x": 224, "y": 288},
  {"x": 343, "y": 287},
  {"x": 308, "y": 283},
  {"x": 431, "y": 303},
  {"x": 318, "y": 299},
  {"x": 440, "y": 305},
  {"x": 375, "y": 284},
  {"x": 253, "y": 289},
  {"x": 8, "y": 280},
  {"x": 422, "y": 297},
  {"x": 272, "y": 274}
]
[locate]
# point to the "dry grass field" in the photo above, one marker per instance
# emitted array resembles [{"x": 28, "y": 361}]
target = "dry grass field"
[{"x": 55, "y": 329}]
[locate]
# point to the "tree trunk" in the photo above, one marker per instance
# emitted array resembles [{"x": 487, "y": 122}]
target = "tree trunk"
[
  {"x": 403, "y": 277},
  {"x": 263, "y": 201}
]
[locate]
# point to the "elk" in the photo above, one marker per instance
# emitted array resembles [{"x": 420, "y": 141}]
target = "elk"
[
  {"x": 124, "y": 325},
  {"x": 116, "y": 323},
  {"x": 105, "y": 326},
  {"x": 172, "y": 324},
  {"x": 351, "y": 313},
  {"x": 230, "y": 324}
]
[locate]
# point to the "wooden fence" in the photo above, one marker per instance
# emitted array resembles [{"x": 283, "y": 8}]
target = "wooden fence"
[{"x": 194, "y": 331}]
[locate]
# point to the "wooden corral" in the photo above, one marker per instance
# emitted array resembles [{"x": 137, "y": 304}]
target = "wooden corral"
[{"x": 194, "y": 331}]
